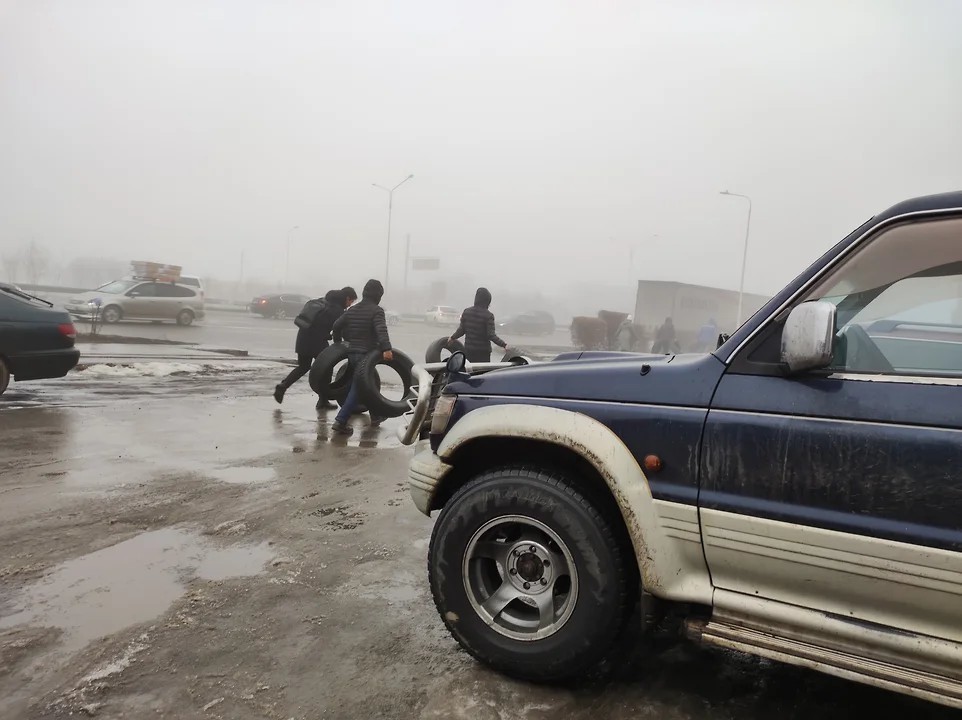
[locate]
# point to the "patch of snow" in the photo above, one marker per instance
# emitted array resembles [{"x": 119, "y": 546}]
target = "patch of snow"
[{"x": 159, "y": 369}]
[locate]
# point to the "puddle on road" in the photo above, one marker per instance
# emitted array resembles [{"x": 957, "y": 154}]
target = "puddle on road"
[{"x": 128, "y": 583}]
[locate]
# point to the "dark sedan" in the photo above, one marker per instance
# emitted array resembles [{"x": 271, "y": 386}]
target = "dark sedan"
[
  {"x": 36, "y": 341},
  {"x": 278, "y": 306},
  {"x": 535, "y": 322}
]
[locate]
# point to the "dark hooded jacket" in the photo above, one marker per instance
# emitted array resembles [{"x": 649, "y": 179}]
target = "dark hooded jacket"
[
  {"x": 310, "y": 341},
  {"x": 477, "y": 326},
  {"x": 363, "y": 325}
]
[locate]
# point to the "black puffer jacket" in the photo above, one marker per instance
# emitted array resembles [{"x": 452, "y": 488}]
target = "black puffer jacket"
[
  {"x": 363, "y": 326},
  {"x": 477, "y": 325},
  {"x": 310, "y": 341}
]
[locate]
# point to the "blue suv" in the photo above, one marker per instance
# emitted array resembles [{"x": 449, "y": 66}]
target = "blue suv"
[{"x": 796, "y": 494}]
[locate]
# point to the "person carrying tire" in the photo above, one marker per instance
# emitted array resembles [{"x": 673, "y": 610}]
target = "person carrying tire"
[
  {"x": 364, "y": 328},
  {"x": 314, "y": 337},
  {"x": 477, "y": 328}
]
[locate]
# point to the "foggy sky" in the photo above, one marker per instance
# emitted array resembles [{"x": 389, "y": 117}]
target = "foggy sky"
[{"x": 548, "y": 139}]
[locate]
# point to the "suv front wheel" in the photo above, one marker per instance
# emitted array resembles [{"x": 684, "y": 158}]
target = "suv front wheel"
[{"x": 529, "y": 576}]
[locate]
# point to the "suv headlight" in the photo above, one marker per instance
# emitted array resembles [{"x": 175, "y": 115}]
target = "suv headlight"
[{"x": 443, "y": 409}]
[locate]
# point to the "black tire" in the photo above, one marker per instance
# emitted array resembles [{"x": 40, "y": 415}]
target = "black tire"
[
  {"x": 185, "y": 318},
  {"x": 111, "y": 314},
  {"x": 323, "y": 368},
  {"x": 433, "y": 353},
  {"x": 513, "y": 355},
  {"x": 340, "y": 385},
  {"x": 370, "y": 388},
  {"x": 604, "y": 575},
  {"x": 4, "y": 377}
]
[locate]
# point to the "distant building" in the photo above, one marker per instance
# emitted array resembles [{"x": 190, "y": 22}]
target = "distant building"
[{"x": 691, "y": 307}]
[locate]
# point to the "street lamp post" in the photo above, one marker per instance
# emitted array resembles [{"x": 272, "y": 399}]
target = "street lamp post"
[
  {"x": 390, "y": 208},
  {"x": 287, "y": 266},
  {"x": 748, "y": 226}
]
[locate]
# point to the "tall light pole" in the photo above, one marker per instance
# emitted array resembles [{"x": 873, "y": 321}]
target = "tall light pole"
[
  {"x": 748, "y": 227},
  {"x": 287, "y": 267},
  {"x": 390, "y": 207}
]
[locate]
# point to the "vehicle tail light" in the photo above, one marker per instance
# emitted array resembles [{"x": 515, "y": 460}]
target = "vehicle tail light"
[{"x": 68, "y": 330}]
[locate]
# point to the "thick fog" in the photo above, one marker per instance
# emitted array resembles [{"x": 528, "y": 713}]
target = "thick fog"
[{"x": 556, "y": 146}]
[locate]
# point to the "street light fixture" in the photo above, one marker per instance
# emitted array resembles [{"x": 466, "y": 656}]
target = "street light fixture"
[
  {"x": 390, "y": 207},
  {"x": 748, "y": 226}
]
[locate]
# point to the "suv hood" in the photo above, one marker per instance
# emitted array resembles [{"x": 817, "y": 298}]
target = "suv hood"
[{"x": 687, "y": 380}]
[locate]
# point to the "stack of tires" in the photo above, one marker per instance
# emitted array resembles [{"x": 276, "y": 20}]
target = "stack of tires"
[{"x": 334, "y": 384}]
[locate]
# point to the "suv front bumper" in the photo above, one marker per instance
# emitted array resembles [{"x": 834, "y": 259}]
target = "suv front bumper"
[{"x": 425, "y": 472}]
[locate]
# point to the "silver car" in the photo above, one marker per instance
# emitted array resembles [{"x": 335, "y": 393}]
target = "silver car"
[{"x": 139, "y": 300}]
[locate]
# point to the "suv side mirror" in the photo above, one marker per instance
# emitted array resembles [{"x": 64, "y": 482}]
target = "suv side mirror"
[
  {"x": 808, "y": 337},
  {"x": 133, "y": 293}
]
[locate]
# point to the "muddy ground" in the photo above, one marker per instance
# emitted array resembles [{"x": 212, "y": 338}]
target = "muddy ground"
[{"x": 180, "y": 547}]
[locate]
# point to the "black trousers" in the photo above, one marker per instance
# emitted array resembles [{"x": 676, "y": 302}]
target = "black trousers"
[
  {"x": 478, "y": 356},
  {"x": 304, "y": 362}
]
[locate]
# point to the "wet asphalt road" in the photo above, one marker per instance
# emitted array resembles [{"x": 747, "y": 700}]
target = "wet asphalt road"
[{"x": 181, "y": 547}]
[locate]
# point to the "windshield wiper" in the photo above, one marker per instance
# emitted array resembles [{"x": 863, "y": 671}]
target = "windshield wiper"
[{"x": 25, "y": 296}]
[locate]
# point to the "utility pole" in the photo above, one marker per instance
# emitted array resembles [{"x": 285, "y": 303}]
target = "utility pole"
[
  {"x": 390, "y": 208},
  {"x": 407, "y": 264},
  {"x": 748, "y": 227},
  {"x": 287, "y": 266}
]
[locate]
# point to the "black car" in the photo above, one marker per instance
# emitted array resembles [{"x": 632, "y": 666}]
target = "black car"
[
  {"x": 278, "y": 306},
  {"x": 36, "y": 341},
  {"x": 535, "y": 322}
]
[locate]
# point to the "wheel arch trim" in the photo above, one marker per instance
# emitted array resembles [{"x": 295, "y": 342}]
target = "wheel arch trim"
[{"x": 670, "y": 567}]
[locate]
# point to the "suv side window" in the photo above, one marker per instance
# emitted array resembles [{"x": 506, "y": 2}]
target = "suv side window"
[
  {"x": 167, "y": 290},
  {"x": 899, "y": 303}
]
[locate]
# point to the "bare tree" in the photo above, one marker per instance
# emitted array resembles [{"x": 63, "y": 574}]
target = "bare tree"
[
  {"x": 12, "y": 260},
  {"x": 37, "y": 261}
]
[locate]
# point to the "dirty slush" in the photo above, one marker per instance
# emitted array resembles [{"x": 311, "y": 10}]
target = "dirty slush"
[{"x": 181, "y": 549}]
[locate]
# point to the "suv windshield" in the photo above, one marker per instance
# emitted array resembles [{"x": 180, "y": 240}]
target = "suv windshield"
[{"x": 118, "y": 287}]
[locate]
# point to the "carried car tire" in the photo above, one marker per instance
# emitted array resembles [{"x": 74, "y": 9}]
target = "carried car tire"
[
  {"x": 370, "y": 387},
  {"x": 513, "y": 355},
  {"x": 4, "y": 376},
  {"x": 111, "y": 314},
  {"x": 433, "y": 353},
  {"x": 529, "y": 576},
  {"x": 185, "y": 318},
  {"x": 341, "y": 385},
  {"x": 322, "y": 370}
]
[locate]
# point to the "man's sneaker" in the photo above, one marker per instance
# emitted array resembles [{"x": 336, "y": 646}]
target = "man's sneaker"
[
  {"x": 376, "y": 420},
  {"x": 279, "y": 391},
  {"x": 342, "y": 429}
]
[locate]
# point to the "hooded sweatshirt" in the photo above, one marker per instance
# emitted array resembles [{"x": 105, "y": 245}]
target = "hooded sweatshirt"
[
  {"x": 363, "y": 325},
  {"x": 477, "y": 325}
]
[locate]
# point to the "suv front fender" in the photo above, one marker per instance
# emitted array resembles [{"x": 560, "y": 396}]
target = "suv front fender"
[{"x": 665, "y": 535}]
